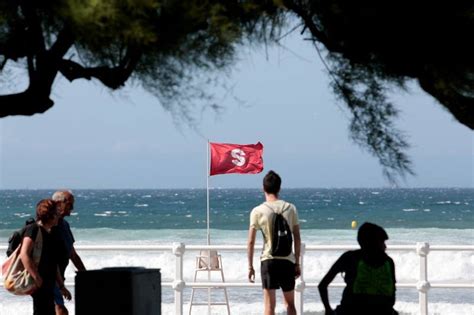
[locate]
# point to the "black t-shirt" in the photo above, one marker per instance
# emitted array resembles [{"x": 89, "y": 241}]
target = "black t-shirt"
[
  {"x": 63, "y": 233},
  {"x": 370, "y": 284},
  {"x": 48, "y": 264}
]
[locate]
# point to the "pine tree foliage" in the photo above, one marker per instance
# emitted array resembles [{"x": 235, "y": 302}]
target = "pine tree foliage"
[{"x": 372, "y": 46}]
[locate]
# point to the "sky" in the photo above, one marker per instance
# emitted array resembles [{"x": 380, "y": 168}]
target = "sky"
[{"x": 98, "y": 139}]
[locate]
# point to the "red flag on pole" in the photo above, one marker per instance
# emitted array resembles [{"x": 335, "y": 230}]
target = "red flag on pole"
[{"x": 229, "y": 158}]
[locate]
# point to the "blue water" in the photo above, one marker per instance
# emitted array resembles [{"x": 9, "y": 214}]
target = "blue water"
[{"x": 230, "y": 208}]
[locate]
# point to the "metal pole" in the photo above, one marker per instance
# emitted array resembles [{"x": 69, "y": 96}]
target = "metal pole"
[
  {"x": 208, "y": 235},
  {"x": 207, "y": 190}
]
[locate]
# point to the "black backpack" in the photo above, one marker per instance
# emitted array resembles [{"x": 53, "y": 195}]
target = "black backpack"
[
  {"x": 282, "y": 238},
  {"x": 15, "y": 239}
]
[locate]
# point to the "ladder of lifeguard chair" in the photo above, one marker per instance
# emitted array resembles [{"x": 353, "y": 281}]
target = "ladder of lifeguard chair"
[{"x": 209, "y": 264}]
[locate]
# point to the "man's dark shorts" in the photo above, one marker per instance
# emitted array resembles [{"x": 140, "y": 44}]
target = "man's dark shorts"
[{"x": 278, "y": 273}]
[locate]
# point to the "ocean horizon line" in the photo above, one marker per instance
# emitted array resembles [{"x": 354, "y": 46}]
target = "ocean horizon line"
[{"x": 237, "y": 188}]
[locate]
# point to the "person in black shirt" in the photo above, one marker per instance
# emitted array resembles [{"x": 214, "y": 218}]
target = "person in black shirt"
[
  {"x": 65, "y": 204},
  {"x": 369, "y": 274},
  {"x": 46, "y": 272}
]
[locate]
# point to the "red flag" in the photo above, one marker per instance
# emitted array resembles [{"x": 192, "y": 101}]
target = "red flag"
[{"x": 229, "y": 158}]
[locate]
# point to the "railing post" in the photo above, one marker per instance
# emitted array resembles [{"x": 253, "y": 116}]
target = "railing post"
[
  {"x": 423, "y": 285},
  {"x": 300, "y": 284},
  {"x": 178, "y": 283}
]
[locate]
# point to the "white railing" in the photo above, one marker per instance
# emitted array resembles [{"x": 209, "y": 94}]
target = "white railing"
[{"x": 180, "y": 249}]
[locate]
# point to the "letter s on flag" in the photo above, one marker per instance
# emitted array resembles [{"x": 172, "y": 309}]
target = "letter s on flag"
[{"x": 229, "y": 158}]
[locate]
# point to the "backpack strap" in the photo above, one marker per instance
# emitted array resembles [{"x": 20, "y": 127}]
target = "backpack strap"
[
  {"x": 284, "y": 209},
  {"x": 37, "y": 246}
]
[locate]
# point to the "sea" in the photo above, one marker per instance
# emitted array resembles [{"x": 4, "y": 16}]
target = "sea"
[{"x": 443, "y": 216}]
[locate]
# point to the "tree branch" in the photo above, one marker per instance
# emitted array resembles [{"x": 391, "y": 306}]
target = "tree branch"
[
  {"x": 110, "y": 77},
  {"x": 34, "y": 30},
  {"x": 26, "y": 103},
  {"x": 461, "y": 107},
  {"x": 4, "y": 62},
  {"x": 63, "y": 43},
  {"x": 113, "y": 78},
  {"x": 13, "y": 50},
  {"x": 43, "y": 67},
  {"x": 310, "y": 25}
]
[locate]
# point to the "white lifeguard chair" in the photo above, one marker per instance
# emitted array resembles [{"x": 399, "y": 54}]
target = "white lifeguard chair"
[{"x": 209, "y": 261}]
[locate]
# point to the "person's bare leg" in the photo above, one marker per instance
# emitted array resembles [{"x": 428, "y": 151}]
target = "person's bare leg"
[
  {"x": 289, "y": 300},
  {"x": 269, "y": 300},
  {"x": 61, "y": 310}
]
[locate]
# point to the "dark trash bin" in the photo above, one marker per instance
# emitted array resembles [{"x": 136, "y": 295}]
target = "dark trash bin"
[{"x": 119, "y": 291}]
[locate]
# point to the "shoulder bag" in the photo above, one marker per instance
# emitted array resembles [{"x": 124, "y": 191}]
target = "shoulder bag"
[{"x": 17, "y": 279}]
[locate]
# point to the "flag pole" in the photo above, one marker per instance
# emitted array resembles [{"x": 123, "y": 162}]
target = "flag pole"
[{"x": 207, "y": 190}]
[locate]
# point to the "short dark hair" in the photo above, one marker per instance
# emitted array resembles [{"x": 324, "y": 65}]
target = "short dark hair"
[
  {"x": 46, "y": 210},
  {"x": 272, "y": 183},
  {"x": 369, "y": 234}
]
